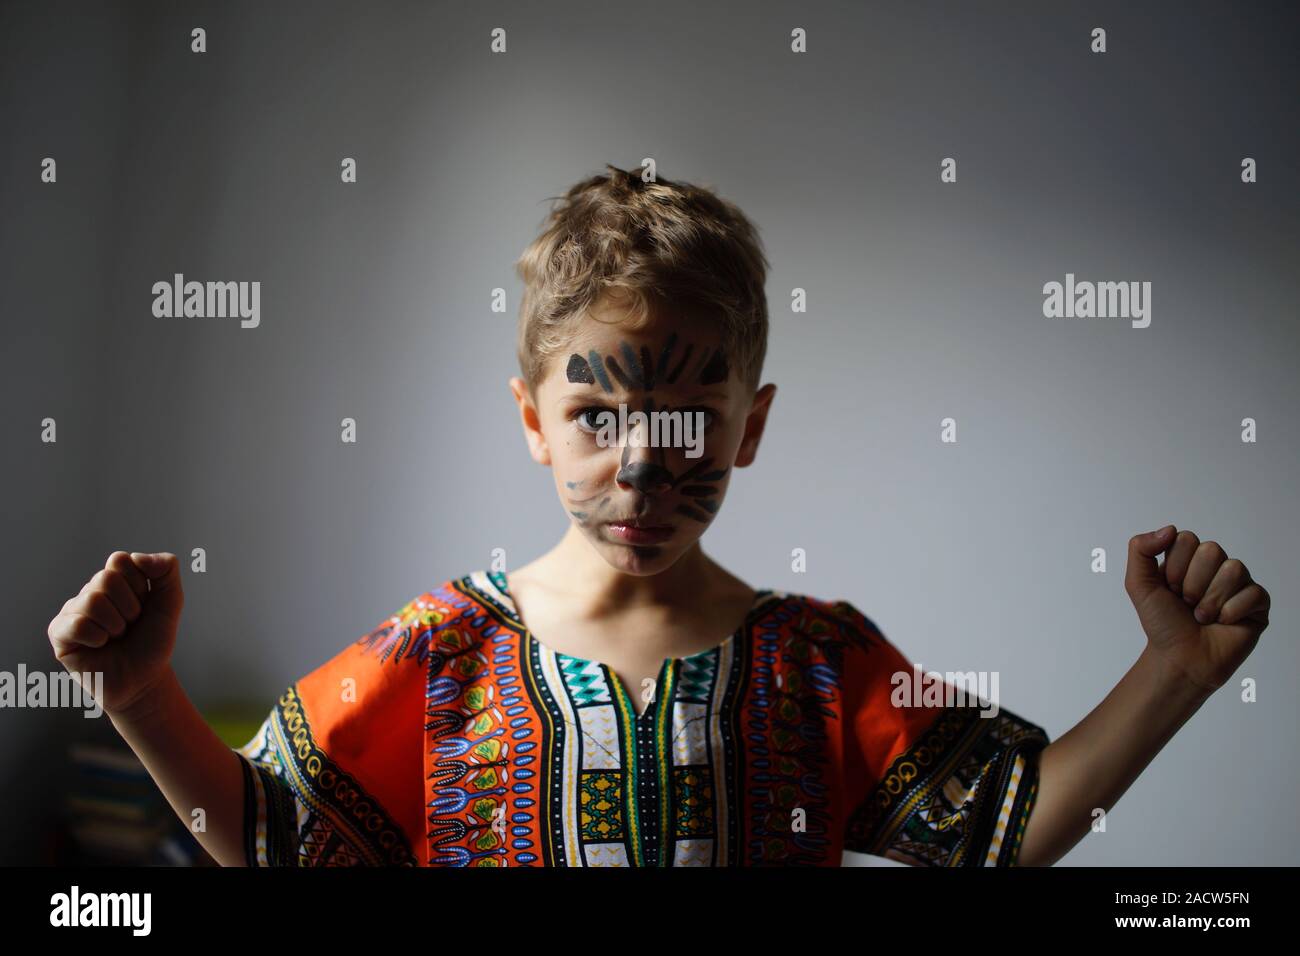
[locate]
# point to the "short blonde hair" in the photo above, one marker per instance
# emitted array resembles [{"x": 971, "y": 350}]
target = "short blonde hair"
[{"x": 646, "y": 245}]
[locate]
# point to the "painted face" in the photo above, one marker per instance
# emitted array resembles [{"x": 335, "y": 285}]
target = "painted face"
[{"x": 642, "y": 499}]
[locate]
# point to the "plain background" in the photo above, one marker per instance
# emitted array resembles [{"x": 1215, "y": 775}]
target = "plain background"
[{"x": 925, "y": 301}]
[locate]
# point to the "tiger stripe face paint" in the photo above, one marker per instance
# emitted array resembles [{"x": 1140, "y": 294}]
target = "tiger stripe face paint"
[
  {"x": 641, "y": 499},
  {"x": 638, "y": 369},
  {"x": 641, "y": 373}
]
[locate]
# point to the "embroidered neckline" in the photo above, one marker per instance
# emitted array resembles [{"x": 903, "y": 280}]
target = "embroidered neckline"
[{"x": 501, "y": 602}]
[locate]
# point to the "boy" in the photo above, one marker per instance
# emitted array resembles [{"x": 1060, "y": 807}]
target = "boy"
[{"x": 493, "y": 721}]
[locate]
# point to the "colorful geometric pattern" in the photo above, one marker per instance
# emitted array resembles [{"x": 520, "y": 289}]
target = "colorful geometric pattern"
[{"x": 467, "y": 742}]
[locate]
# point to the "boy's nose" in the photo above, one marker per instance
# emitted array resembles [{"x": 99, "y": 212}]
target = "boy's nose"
[
  {"x": 641, "y": 465},
  {"x": 647, "y": 477}
]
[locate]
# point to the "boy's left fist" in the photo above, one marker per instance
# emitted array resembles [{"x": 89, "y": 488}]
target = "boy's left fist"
[{"x": 1200, "y": 609}]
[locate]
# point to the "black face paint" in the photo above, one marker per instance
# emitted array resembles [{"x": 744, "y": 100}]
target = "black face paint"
[
  {"x": 710, "y": 367},
  {"x": 702, "y": 489},
  {"x": 636, "y": 372},
  {"x": 647, "y": 477}
]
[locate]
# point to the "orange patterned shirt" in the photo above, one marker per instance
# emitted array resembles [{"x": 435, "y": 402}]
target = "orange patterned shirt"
[{"x": 449, "y": 736}]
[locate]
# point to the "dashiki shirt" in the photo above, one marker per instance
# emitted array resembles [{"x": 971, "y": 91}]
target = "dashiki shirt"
[{"x": 449, "y": 736}]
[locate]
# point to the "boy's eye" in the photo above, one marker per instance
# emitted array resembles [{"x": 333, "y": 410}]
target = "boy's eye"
[
  {"x": 594, "y": 423},
  {"x": 709, "y": 415}
]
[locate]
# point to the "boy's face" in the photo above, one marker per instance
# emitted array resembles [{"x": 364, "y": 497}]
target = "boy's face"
[{"x": 642, "y": 506}]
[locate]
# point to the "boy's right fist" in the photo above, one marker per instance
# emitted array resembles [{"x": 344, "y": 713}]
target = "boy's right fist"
[{"x": 122, "y": 624}]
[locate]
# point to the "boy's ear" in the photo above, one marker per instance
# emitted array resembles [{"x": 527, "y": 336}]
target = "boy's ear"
[
  {"x": 754, "y": 423},
  {"x": 537, "y": 446}
]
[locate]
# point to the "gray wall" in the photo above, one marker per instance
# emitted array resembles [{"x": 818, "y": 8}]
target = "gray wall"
[{"x": 924, "y": 302}]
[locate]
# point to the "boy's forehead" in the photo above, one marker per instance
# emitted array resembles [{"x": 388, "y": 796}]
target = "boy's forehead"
[
  {"x": 607, "y": 334},
  {"x": 681, "y": 358}
]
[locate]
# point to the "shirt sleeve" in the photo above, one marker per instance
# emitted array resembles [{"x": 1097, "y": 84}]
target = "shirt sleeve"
[
  {"x": 934, "y": 779},
  {"x": 334, "y": 775}
]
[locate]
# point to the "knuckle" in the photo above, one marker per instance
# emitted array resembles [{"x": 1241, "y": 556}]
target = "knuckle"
[
  {"x": 1211, "y": 547},
  {"x": 1237, "y": 568},
  {"x": 72, "y": 628},
  {"x": 97, "y": 601}
]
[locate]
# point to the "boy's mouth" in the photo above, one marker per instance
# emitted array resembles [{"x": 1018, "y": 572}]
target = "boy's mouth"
[
  {"x": 642, "y": 523},
  {"x": 639, "y": 531}
]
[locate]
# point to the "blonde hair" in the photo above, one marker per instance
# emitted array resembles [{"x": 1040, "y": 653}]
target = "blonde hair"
[{"x": 644, "y": 245}]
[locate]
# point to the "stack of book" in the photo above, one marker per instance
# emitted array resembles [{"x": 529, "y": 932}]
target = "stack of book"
[{"x": 114, "y": 814}]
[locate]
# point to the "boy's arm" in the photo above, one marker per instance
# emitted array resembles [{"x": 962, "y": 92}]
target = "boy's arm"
[
  {"x": 192, "y": 766},
  {"x": 1186, "y": 659},
  {"x": 1094, "y": 763}
]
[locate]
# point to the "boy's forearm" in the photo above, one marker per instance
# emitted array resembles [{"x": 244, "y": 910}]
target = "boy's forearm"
[
  {"x": 192, "y": 766},
  {"x": 1093, "y": 764}
]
